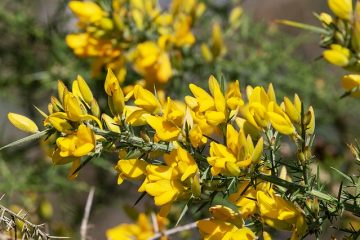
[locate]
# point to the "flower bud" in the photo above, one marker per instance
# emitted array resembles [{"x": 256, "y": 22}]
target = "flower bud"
[
  {"x": 337, "y": 55},
  {"x": 339, "y": 36},
  {"x": 350, "y": 82},
  {"x": 106, "y": 24},
  {"x": 23, "y": 123},
  {"x": 46, "y": 209},
  {"x": 84, "y": 90},
  {"x": 206, "y": 53},
  {"x": 301, "y": 157},
  {"x": 61, "y": 90},
  {"x": 325, "y": 18},
  {"x": 341, "y": 8},
  {"x": 218, "y": 46},
  {"x": 196, "y": 186},
  {"x": 234, "y": 18}
]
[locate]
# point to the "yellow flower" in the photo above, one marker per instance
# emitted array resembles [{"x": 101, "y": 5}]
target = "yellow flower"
[
  {"x": 337, "y": 55},
  {"x": 146, "y": 100},
  {"x": 204, "y": 100},
  {"x": 293, "y": 110},
  {"x": 23, "y": 123},
  {"x": 234, "y": 17},
  {"x": 266, "y": 236},
  {"x": 84, "y": 90},
  {"x": 279, "y": 120},
  {"x": 182, "y": 162},
  {"x": 262, "y": 109},
  {"x": 215, "y": 111},
  {"x": 233, "y": 96},
  {"x": 310, "y": 124},
  {"x": 141, "y": 230},
  {"x": 87, "y": 11},
  {"x": 281, "y": 214},
  {"x": 78, "y": 144},
  {"x": 341, "y": 8},
  {"x": 245, "y": 199},
  {"x": 59, "y": 121},
  {"x": 73, "y": 106},
  {"x": 133, "y": 169},
  {"x": 183, "y": 35},
  {"x": 351, "y": 82},
  {"x": 224, "y": 224},
  {"x": 162, "y": 184},
  {"x": 111, "y": 123},
  {"x": 152, "y": 62},
  {"x": 196, "y": 137},
  {"x": 189, "y": 7},
  {"x": 206, "y": 53},
  {"x": 135, "y": 116},
  {"x": 218, "y": 47},
  {"x": 167, "y": 127},
  {"x": 325, "y": 18},
  {"x": 116, "y": 99},
  {"x": 171, "y": 182},
  {"x": 238, "y": 153},
  {"x": 85, "y": 45},
  {"x": 255, "y": 110}
]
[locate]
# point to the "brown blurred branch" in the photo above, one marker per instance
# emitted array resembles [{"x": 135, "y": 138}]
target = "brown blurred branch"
[{"x": 84, "y": 222}]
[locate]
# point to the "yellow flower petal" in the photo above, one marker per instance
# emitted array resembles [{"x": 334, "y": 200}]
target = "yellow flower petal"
[
  {"x": 281, "y": 123},
  {"x": 132, "y": 168},
  {"x": 205, "y": 101},
  {"x": 85, "y": 90},
  {"x": 214, "y": 118}
]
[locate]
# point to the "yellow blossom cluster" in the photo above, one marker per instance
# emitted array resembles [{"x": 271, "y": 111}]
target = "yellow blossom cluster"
[
  {"x": 161, "y": 143},
  {"x": 342, "y": 51},
  {"x": 339, "y": 51},
  {"x": 224, "y": 224},
  {"x": 340, "y": 38},
  {"x": 135, "y": 34},
  {"x": 142, "y": 230}
]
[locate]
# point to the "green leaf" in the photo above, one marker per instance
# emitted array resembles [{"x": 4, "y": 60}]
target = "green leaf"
[
  {"x": 343, "y": 175},
  {"x": 184, "y": 210},
  {"x": 87, "y": 160},
  {"x": 302, "y": 26},
  {"x": 139, "y": 198},
  {"x": 32, "y": 137},
  {"x": 222, "y": 83}
]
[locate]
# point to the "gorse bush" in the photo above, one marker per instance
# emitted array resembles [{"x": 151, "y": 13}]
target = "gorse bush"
[
  {"x": 172, "y": 146},
  {"x": 217, "y": 152}
]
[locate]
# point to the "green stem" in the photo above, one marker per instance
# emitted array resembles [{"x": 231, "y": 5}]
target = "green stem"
[
  {"x": 128, "y": 140},
  {"x": 303, "y": 145},
  {"x": 272, "y": 147}
]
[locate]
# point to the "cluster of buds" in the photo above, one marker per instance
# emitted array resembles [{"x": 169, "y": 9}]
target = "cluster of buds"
[
  {"x": 175, "y": 149},
  {"x": 135, "y": 33}
]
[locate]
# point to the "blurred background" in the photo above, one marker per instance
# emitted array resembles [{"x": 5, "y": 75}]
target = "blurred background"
[{"x": 34, "y": 55}]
